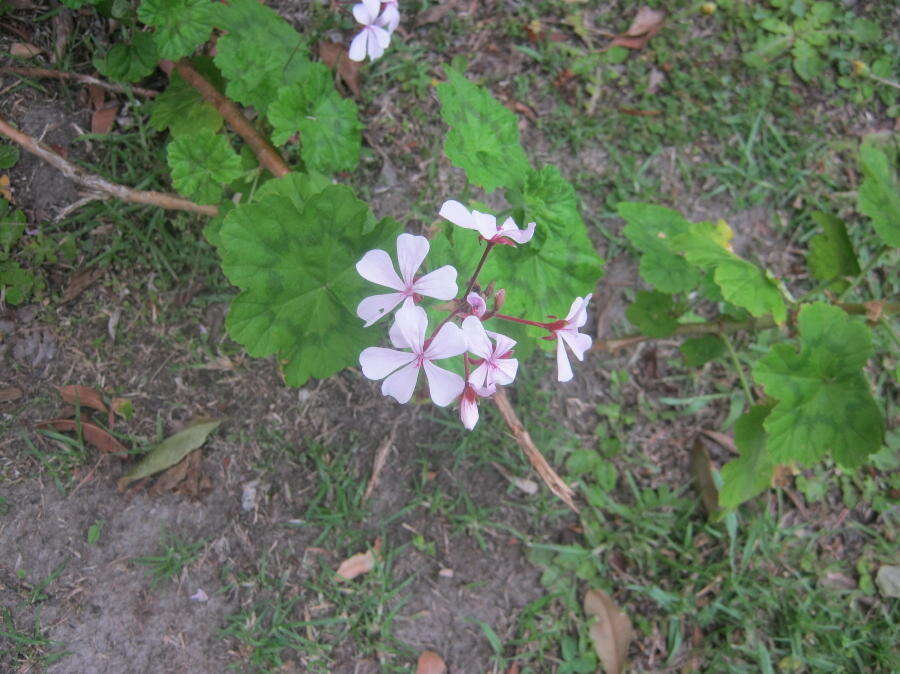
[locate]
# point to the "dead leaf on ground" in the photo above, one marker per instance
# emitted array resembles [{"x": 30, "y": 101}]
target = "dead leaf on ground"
[
  {"x": 10, "y": 394},
  {"x": 701, "y": 469},
  {"x": 185, "y": 477},
  {"x": 95, "y": 435},
  {"x": 103, "y": 119},
  {"x": 721, "y": 438},
  {"x": 5, "y": 191},
  {"x": 79, "y": 282},
  {"x": 611, "y": 632},
  {"x": 435, "y": 13},
  {"x": 334, "y": 55},
  {"x": 82, "y": 396},
  {"x": 358, "y": 564},
  {"x": 24, "y": 50},
  {"x": 430, "y": 663},
  {"x": 647, "y": 23},
  {"x": 170, "y": 451}
]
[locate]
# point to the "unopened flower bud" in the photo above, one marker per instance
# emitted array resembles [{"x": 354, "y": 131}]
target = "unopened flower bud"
[{"x": 499, "y": 299}]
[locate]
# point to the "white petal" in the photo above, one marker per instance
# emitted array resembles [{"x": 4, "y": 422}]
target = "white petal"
[
  {"x": 363, "y": 14},
  {"x": 439, "y": 284},
  {"x": 578, "y": 342},
  {"x": 476, "y": 338},
  {"x": 449, "y": 342},
  {"x": 373, "y": 308},
  {"x": 378, "y": 362},
  {"x": 519, "y": 235},
  {"x": 468, "y": 412},
  {"x": 411, "y": 322},
  {"x": 480, "y": 375},
  {"x": 382, "y": 39},
  {"x": 484, "y": 391},
  {"x": 401, "y": 384},
  {"x": 563, "y": 369},
  {"x": 390, "y": 18},
  {"x": 411, "y": 252},
  {"x": 574, "y": 309},
  {"x": 376, "y": 266},
  {"x": 358, "y": 46},
  {"x": 486, "y": 224},
  {"x": 504, "y": 343},
  {"x": 458, "y": 214},
  {"x": 578, "y": 311},
  {"x": 397, "y": 338},
  {"x": 506, "y": 371},
  {"x": 444, "y": 386}
]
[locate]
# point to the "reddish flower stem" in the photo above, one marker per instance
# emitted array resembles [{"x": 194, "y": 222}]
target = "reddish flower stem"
[
  {"x": 474, "y": 277},
  {"x": 524, "y": 321}
]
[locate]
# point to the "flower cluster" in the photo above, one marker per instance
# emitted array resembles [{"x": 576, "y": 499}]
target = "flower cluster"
[
  {"x": 379, "y": 20},
  {"x": 487, "y": 359}
]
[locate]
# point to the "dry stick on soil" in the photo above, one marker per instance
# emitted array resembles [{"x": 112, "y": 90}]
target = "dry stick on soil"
[
  {"x": 726, "y": 327},
  {"x": 268, "y": 156},
  {"x": 548, "y": 475},
  {"x": 380, "y": 460},
  {"x": 84, "y": 79},
  {"x": 101, "y": 185}
]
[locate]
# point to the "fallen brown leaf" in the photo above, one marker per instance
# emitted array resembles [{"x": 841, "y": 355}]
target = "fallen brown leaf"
[
  {"x": 634, "y": 112},
  {"x": 10, "y": 394},
  {"x": 82, "y": 396},
  {"x": 334, "y": 55},
  {"x": 647, "y": 23},
  {"x": 430, "y": 663},
  {"x": 701, "y": 469},
  {"x": 103, "y": 119},
  {"x": 358, "y": 564},
  {"x": 24, "y": 50},
  {"x": 79, "y": 282},
  {"x": 722, "y": 438},
  {"x": 5, "y": 192},
  {"x": 95, "y": 435},
  {"x": 611, "y": 632}
]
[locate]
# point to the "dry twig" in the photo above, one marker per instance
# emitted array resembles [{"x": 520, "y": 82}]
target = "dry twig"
[
  {"x": 95, "y": 183},
  {"x": 268, "y": 156},
  {"x": 84, "y": 79},
  {"x": 553, "y": 481}
]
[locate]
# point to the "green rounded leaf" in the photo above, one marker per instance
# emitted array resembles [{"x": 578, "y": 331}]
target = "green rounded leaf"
[
  {"x": 129, "y": 62},
  {"x": 831, "y": 255},
  {"x": 181, "y": 25},
  {"x": 201, "y": 164},
  {"x": 649, "y": 228},
  {"x": 182, "y": 109},
  {"x": 751, "y": 473},
  {"x": 698, "y": 351},
  {"x": 654, "y": 314},
  {"x": 879, "y": 192},
  {"x": 824, "y": 403},
  {"x": 483, "y": 139},
  {"x": 294, "y": 257}
]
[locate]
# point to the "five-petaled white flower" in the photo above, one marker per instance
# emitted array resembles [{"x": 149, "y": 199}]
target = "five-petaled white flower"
[
  {"x": 402, "y": 367},
  {"x": 496, "y": 366},
  {"x": 568, "y": 333},
  {"x": 375, "y": 37},
  {"x": 486, "y": 224},
  {"x": 468, "y": 403},
  {"x": 376, "y": 266}
]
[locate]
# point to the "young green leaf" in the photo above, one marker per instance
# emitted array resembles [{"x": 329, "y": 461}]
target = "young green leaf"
[
  {"x": 654, "y": 314},
  {"x": 698, "y": 351},
  {"x": 649, "y": 228},
  {"x": 824, "y": 402},
  {"x": 807, "y": 62},
  {"x": 181, "y": 25},
  {"x": 879, "y": 192},
  {"x": 260, "y": 53},
  {"x": 9, "y": 155},
  {"x": 483, "y": 139},
  {"x": 182, "y": 109},
  {"x": 831, "y": 255},
  {"x": 330, "y": 132},
  {"x": 129, "y": 62},
  {"x": 201, "y": 163},
  {"x": 751, "y": 473},
  {"x": 294, "y": 257}
]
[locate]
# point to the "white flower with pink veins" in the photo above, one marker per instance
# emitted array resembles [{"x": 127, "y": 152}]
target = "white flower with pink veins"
[
  {"x": 568, "y": 334},
  {"x": 375, "y": 37},
  {"x": 400, "y": 369},
  {"x": 376, "y": 266},
  {"x": 468, "y": 403},
  {"x": 496, "y": 366},
  {"x": 486, "y": 224}
]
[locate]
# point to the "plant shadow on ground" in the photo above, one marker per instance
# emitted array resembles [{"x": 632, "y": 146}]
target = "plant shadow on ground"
[{"x": 469, "y": 564}]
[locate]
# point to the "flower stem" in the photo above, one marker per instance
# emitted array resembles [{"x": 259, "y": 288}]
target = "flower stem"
[
  {"x": 523, "y": 321},
  {"x": 474, "y": 277},
  {"x": 740, "y": 369}
]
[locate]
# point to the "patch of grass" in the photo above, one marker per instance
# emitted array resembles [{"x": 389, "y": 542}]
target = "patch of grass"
[
  {"x": 173, "y": 556},
  {"x": 23, "y": 649},
  {"x": 58, "y": 455},
  {"x": 318, "y": 620}
]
